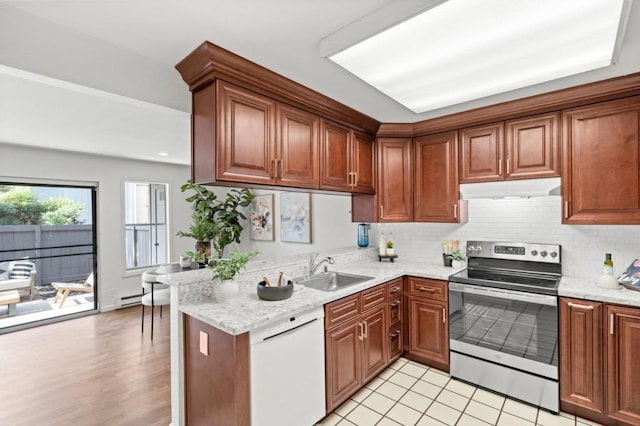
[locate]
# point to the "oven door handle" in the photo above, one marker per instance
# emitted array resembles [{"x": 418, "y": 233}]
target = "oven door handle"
[{"x": 520, "y": 296}]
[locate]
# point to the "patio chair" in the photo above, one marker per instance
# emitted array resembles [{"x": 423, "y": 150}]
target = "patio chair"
[
  {"x": 63, "y": 289},
  {"x": 20, "y": 274}
]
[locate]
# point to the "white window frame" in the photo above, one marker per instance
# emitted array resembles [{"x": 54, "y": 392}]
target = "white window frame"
[{"x": 156, "y": 226}]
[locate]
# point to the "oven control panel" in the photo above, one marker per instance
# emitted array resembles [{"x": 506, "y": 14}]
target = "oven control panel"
[{"x": 533, "y": 252}]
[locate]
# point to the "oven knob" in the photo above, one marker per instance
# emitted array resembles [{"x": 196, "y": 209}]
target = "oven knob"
[
  {"x": 554, "y": 254},
  {"x": 534, "y": 252},
  {"x": 543, "y": 253}
]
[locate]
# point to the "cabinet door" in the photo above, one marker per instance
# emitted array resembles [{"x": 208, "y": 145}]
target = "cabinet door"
[
  {"x": 436, "y": 186},
  {"x": 343, "y": 363},
  {"x": 394, "y": 311},
  {"x": 481, "y": 153},
  {"x": 335, "y": 157},
  {"x": 246, "y": 136},
  {"x": 362, "y": 169},
  {"x": 533, "y": 147},
  {"x": 297, "y": 158},
  {"x": 581, "y": 372},
  {"x": 428, "y": 332},
  {"x": 395, "y": 194},
  {"x": 600, "y": 173},
  {"x": 623, "y": 363},
  {"x": 374, "y": 344}
]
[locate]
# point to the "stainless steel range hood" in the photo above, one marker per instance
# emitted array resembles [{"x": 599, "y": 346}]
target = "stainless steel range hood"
[{"x": 511, "y": 189}]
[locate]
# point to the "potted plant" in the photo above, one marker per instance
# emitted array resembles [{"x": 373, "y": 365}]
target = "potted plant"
[
  {"x": 390, "y": 251},
  {"x": 214, "y": 221},
  {"x": 201, "y": 230},
  {"x": 457, "y": 259},
  {"x": 225, "y": 270}
]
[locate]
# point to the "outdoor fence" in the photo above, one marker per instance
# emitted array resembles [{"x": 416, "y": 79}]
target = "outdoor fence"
[{"x": 60, "y": 252}]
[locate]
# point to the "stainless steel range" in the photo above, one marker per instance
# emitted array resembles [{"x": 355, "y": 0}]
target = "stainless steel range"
[{"x": 503, "y": 320}]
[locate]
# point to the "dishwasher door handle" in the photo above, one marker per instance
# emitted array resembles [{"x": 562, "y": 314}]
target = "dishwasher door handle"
[{"x": 282, "y": 333}]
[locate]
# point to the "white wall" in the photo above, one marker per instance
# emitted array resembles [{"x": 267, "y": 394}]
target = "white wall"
[
  {"x": 331, "y": 227},
  {"x": 527, "y": 220},
  {"x": 18, "y": 163}
]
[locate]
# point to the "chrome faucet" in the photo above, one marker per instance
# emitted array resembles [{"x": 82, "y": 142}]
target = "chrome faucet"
[{"x": 313, "y": 265}]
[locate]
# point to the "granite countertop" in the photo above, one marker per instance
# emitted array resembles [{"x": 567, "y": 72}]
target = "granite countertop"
[
  {"x": 248, "y": 312},
  {"x": 585, "y": 288}
]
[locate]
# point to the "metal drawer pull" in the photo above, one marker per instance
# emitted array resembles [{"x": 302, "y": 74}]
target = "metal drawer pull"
[
  {"x": 355, "y": 179},
  {"x": 274, "y": 168},
  {"x": 576, "y": 305},
  {"x": 395, "y": 289},
  {"x": 361, "y": 336},
  {"x": 500, "y": 166},
  {"x": 611, "y": 319},
  {"x": 444, "y": 316},
  {"x": 566, "y": 210},
  {"x": 508, "y": 161},
  {"x": 430, "y": 290},
  {"x": 381, "y": 211},
  {"x": 395, "y": 333},
  {"x": 396, "y": 303},
  {"x": 366, "y": 329},
  {"x": 455, "y": 211}
]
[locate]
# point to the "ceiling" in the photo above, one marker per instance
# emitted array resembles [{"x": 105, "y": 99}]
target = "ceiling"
[{"x": 98, "y": 76}]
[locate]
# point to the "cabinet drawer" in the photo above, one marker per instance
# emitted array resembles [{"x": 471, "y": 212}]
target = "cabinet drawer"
[
  {"x": 424, "y": 287},
  {"x": 341, "y": 310},
  {"x": 374, "y": 296},
  {"x": 394, "y": 288},
  {"x": 394, "y": 311}
]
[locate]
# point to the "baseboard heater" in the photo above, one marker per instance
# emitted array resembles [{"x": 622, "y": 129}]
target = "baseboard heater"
[{"x": 126, "y": 301}]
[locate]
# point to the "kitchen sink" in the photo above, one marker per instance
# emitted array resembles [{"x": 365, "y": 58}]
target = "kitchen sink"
[{"x": 332, "y": 281}]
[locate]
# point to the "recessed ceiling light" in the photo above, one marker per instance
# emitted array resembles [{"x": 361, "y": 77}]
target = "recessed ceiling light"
[
  {"x": 462, "y": 50},
  {"x": 163, "y": 154}
]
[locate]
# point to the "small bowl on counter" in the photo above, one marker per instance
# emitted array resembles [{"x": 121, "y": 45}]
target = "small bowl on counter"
[{"x": 275, "y": 293}]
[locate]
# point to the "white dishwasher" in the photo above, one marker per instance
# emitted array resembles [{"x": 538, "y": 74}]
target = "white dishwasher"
[{"x": 287, "y": 371}]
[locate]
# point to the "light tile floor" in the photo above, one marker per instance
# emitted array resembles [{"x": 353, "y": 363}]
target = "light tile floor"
[{"x": 409, "y": 393}]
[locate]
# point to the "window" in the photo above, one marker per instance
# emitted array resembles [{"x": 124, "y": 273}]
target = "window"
[{"x": 146, "y": 241}]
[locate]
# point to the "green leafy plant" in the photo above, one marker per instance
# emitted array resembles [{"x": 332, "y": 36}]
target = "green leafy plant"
[
  {"x": 227, "y": 268},
  {"x": 217, "y": 221},
  {"x": 458, "y": 255},
  {"x": 199, "y": 257},
  {"x": 390, "y": 244}
]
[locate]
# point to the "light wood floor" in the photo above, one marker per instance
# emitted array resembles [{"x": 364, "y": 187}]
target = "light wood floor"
[{"x": 96, "y": 370}]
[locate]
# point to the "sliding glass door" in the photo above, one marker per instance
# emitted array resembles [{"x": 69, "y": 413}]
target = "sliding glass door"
[{"x": 48, "y": 263}]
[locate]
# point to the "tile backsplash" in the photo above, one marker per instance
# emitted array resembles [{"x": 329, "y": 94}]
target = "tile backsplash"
[{"x": 535, "y": 220}]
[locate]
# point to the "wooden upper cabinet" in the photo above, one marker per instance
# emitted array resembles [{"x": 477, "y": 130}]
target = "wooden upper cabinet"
[
  {"x": 395, "y": 193},
  {"x": 347, "y": 159},
  {"x": 363, "y": 164},
  {"x": 246, "y": 135},
  {"x": 297, "y": 161},
  {"x": 524, "y": 148},
  {"x": 335, "y": 157},
  {"x": 532, "y": 147},
  {"x": 581, "y": 355},
  {"x": 436, "y": 185},
  {"x": 600, "y": 166},
  {"x": 623, "y": 364},
  {"x": 481, "y": 153}
]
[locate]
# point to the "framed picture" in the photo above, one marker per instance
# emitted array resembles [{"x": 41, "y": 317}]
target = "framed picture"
[
  {"x": 261, "y": 218},
  {"x": 295, "y": 217}
]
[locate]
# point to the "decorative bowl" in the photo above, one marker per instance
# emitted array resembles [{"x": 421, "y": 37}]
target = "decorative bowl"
[{"x": 275, "y": 293}]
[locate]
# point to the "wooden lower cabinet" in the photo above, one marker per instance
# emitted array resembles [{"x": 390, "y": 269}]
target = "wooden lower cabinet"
[
  {"x": 343, "y": 363},
  {"x": 427, "y": 322},
  {"x": 599, "y": 363},
  {"x": 217, "y": 388},
  {"x": 623, "y": 364},
  {"x": 581, "y": 362},
  {"x": 360, "y": 342}
]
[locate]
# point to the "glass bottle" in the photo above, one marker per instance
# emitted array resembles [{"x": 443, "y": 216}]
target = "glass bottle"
[
  {"x": 363, "y": 235},
  {"x": 608, "y": 265},
  {"x": 382, "y": 245}
]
